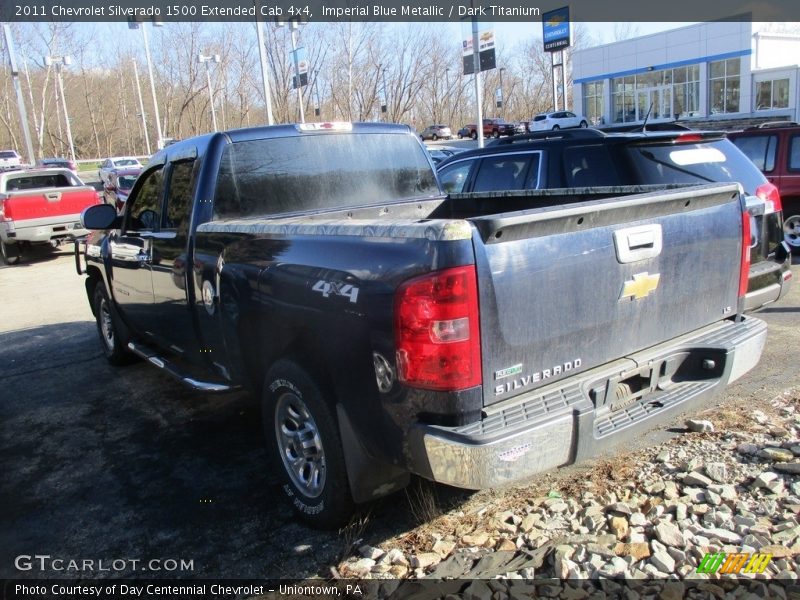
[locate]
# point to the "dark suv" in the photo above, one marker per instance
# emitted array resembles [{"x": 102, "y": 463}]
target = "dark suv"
[
  {"x": 775, "y": 150},
  {"x": 591, "y": 159}
]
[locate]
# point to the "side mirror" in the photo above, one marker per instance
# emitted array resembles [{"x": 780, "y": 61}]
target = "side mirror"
[{"x": 99, "y": 216}]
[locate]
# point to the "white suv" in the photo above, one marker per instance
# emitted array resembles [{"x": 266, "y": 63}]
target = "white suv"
[
  {"x": 9, "y": 160},
  {"x": 561, "y": 119}
]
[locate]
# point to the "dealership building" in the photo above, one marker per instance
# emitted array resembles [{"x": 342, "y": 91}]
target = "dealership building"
[{"x": 716, "y": 73}]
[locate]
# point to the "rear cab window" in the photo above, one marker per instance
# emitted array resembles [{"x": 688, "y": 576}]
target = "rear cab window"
[
  {"x": 586, "y": 166},
  {"x": 508, "y": 172}
]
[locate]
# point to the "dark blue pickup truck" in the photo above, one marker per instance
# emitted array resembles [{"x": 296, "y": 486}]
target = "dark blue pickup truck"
[{"x": 390, "y": 329}]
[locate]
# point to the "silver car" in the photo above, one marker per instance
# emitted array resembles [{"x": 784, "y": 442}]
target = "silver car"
[{"x": 436, "y": 132}]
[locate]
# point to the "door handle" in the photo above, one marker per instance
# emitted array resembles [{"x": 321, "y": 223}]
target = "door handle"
[{"x": 633, "y": 244}]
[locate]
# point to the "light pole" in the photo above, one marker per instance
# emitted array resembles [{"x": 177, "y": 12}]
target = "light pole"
[
  {"x": 207, "y": 59},
  {"x": 262, "y": 55},
  {"x": 502, "y": 99},
  {"x": 385, "y": 96},
  {"x": 59, "y": 62},
  {"x": 141, "y": 107},
  {"x": 160, "y": 141},
  {"x": 23, "y": 114},
  {"x": 293, "y": 27}
]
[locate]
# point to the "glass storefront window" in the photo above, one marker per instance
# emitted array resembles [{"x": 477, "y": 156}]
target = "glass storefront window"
[
  {"x": 773, "y": 93},
  {"x": 724, "y": 85}
]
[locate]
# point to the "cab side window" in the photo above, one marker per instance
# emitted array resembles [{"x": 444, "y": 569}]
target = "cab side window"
[
  {"x": 454, "y": 177},
  {"x": 179, "y": 196},
  {"x": 144, "y": 208}
]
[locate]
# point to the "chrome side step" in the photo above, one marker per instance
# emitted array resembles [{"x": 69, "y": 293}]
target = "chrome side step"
[{"x": 175, "y": 371}]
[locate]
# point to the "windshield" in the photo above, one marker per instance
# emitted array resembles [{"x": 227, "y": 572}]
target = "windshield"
[
  {"x": 126, "y": 162},
  {"x": 706, "y": 161},
  {"x": 8, "y": 154},
  {"x": 312, "y": 172}
]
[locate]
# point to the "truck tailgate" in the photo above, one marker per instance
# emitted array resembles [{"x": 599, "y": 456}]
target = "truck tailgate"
[
  {"x": 48, "y": 202},
  {"x": 564, "y": 289}
]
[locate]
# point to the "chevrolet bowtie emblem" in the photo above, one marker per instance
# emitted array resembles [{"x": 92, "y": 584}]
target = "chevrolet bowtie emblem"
[{"x": 640, "y": 286}]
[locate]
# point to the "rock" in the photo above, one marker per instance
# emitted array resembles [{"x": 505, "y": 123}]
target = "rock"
[
  {"x": 696, "y": 495},
  {"x": 681, "y": 511},
  {"x": 779, "y": 432},
  {"x": 776, "y": 454},
  {"x": 479, "y": 539},
  {"x": 695, "y": 478},
  {"x": 671, "y": 490},
  {"x": 725, "y": 536},
  {"x": 619, "y": 527},
  {"x": 558, "y": 507},
  {"x": 669, "y": 534},
  {"x": 777, "y": 551},
  {"x": 700, "y": 426},
  {"x": 663, "y": 456},
  {"x": 717, "y": 471},
  {"x": 787, "y": 536},
  {"x": 362, "y": 567},
  {"x": 615, "y": 567},
  {"x": 673, "y": 590},
  {"x": 663, "y": 562},
  {"x": 638, "y": 520},
  {"x": 769, "y": 481},
  {"x": 638, "y": 551},
  {"x": 477, "y": 590},
  {"x": 396, "y": 557},
  {"x": 726, "y": 492},
  {"x": 423, "y": 560},
  {"x": 792, "y": 468},
  {"x": 759, "y": 416},
  {"x": 747, "y": 449},
  {"x": 370, "y": 552},
  {"x": 619, "y": 507},
  {"x": 398, "y": 571},
  {"x": 528, "y": 522},
  {"x": 506, "y": 544},
  {"x": 443, "y": 548}
]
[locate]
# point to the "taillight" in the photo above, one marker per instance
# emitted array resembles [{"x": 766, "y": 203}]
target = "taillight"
[
  {"x": 744, "y": 269},
  {"x": 4, "y": 217},
  {"x": 771, "y": 197},
  {"x": 437, "y": 331},
  {"x": 689, "y": 137}
]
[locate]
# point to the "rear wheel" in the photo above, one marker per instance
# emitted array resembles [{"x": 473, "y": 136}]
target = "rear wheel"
[
  {"x": 495, "y": 134},
  {"x": 302, "y": 431},
  {"x": 791, "y": 233},
  {"x": 556, "y": 127},
  {"x": 10, "y": 253},
  {"x": 434, "y": 137},
  {"x": 113, "y": 343}
]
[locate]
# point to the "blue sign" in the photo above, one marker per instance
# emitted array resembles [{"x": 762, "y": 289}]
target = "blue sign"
[{"x": 555, "y": 29}]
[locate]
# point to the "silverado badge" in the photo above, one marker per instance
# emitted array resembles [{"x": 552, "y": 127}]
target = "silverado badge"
[{"x": 640, "y": 286}]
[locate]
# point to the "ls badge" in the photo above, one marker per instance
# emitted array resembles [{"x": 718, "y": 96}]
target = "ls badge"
[{"x": 640, "y": 286}]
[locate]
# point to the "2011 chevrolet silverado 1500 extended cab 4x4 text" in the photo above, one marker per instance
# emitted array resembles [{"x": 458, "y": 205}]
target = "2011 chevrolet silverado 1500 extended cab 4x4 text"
[{"x": 389, "y": 329}]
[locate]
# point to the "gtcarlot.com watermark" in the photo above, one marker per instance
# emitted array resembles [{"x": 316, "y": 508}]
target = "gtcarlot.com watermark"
[{"x": 45, "y": 563}]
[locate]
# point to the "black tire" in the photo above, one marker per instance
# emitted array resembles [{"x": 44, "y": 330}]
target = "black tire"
[
  {"x": 791, "y": 231},
  {"x": 460, "y": 136},
  {"x": 584, "y": 124},
  {"x": 10, "y": 253},
  {"x": 556, "y": 127},
  {"x": 434, "y": 137},
  {"x": 495, "y": 134},
  {"x": 474, "y": 135},
  {"x": 317, "y": 488},
  {"x": 113, "y": 343}
]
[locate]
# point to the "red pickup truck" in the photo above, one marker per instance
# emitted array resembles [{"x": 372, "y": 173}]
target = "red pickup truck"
[
  {"x": 41, "y": 206},
  {"x": 491, "y": 128}
]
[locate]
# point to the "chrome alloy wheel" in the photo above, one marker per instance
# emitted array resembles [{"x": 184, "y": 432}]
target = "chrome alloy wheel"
[
  {"x": 791, "y": 231},
  {"x": 106, "y": 324},
  {"x": 300, "y": 444}
]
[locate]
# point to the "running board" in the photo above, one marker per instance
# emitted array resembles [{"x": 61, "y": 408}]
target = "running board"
[{"x": 175, "y": 371}]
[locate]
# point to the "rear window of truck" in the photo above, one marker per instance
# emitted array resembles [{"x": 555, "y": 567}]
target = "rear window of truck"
[
  {"x": 313, "y": 172},
  {"x": 36, "y": 182},
  {"x": 714, "y": 161}
]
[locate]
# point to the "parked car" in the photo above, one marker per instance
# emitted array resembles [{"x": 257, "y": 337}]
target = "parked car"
[
  {"x": 775, "y": 149},
  {"x": 436, "y": 132},
  {"x": 596, "y": 161},
  {"x": 463, "y": 132},
  {"x": 41, "y": 206},
  {"x": 439, "y": 153},
  {"x": 112, "y": 163},
  {"x": 57, "y": 163},
  {"x": 491, "y": 128},
  {"x": 119, "y": 185},
  {"x": 10, "y": 160},
  {"x": 388, "y": 330},
  {"x": 561, "y": 119}
]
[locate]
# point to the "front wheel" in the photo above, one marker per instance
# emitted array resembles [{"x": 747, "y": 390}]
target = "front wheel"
[
  {"x": 460, "y": 136},
  {"x": 302, "y": 431},
  {"x": 495, "y": 134},
  {"x": 584, "y": 124},
  {"x": 791, "y": 233},
  {"x": 434, "y": 137},
  {"x": 113, "y": 343},
  {"x": 10, "y": 253},
  {"x": 474, "y": 135},
  {"x": 556, "y": 127}
]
